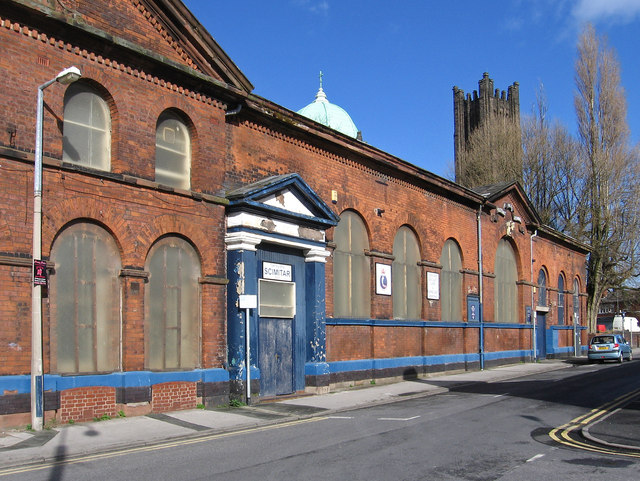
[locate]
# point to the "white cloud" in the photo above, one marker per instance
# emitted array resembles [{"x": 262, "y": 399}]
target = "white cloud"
[
  {"x": 314, "y": 6},
  {"x": 321, "y": 7},
  {"x": 623, "y": 11}
]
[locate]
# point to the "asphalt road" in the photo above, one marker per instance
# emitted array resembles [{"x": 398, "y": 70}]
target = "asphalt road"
[{"x": 482, "y": 431}]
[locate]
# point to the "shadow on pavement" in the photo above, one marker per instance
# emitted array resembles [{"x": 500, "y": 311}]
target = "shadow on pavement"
[{"x": 555, "y": 386}]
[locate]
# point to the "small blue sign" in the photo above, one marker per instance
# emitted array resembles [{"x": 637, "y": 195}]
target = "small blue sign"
[{"x": 473, "y": 308}]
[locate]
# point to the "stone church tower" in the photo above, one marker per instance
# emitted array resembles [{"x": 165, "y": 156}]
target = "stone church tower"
[{"x": 471, "y": 112}]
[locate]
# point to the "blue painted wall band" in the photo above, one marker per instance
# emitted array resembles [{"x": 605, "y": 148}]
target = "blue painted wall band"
[
  {"x": 54, "y": 382},
  {"x": 397, "y": 362}
]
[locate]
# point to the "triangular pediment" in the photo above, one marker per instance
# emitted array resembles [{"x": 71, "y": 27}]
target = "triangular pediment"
[
  {"x": 285, "y": 197},
  {"x": 196, "y": 46},
  {"x": 512, "y": 203},
  {"x": 288, "y": 200},
  {"x": 510, "y": 196},
  {"x": 147, "y": 30}
]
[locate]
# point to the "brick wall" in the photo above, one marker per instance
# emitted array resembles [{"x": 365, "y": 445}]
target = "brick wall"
[
  {"x": 15, "y": 318},
  {"x": 173, "y": 396},
  {"x": 86, "y": 403},
  {"x": 347, "y": 343}
]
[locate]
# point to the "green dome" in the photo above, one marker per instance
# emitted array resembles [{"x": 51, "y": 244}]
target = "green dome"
[{"x": 326, "y": 113}]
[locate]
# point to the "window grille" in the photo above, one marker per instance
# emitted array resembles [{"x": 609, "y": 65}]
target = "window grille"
[
  {"x": 86, "y": 301},
  {"x": 451, "y": 282},
  {"x": 173, "y": 152},
  {"x": 561, "y": 299},
  {"x": 505, "y": 294},
  {"x": 172, "y": 306},
  {"x": 86, "y": 128},
  {"x": 406, "y": 288},
  {"x": 351, "y": 268}
]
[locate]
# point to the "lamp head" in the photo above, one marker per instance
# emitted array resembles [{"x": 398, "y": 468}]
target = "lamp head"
[{"x": 69, "y": 75}]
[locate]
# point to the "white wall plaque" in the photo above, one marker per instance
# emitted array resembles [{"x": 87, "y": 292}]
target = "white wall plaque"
[
  {"x": 276, "y": 272},
  {"x": 433, "y": 285},
  {"x": 383, "y": 279}
]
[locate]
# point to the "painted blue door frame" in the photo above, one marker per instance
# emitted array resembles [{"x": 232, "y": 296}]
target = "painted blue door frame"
[{"x": 279, "y": 220}]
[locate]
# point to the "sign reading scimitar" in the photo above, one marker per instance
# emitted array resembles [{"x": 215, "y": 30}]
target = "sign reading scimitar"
[{"x": 276, "y": 272}]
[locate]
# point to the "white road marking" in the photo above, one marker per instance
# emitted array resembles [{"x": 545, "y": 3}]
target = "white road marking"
[
  {"x": 537, "y": 456},
  {"x": 398, "y": 419},
  {"x": 339, "y": 417}
]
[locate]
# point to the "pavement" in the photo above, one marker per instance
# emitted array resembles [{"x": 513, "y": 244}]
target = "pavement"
[{"x": 619, "y": 428}]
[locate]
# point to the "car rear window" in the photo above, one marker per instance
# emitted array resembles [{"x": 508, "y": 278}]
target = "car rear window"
[{"x": 602, "y": 340}]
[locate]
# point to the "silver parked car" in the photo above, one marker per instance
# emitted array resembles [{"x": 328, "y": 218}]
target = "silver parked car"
[{"x": 609, "y": 346}]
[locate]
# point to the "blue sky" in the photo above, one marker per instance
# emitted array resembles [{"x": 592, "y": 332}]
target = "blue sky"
[{"x": 393, "y": 65}]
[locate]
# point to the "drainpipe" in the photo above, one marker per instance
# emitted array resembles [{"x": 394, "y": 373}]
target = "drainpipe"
[
  {"x": 576, "y": 342},
  {"x": 533, "y": 309},
  {"x": 480, "y": 313},
  {"x": 234, "y": 111},
  {"x": 247, "y": 357}
]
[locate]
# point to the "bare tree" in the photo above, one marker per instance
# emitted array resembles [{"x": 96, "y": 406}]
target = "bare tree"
[
  {"x": 493, "y": 153},
  {"x": 549, "y": 168},
  {"x": 608, "y": 214}
]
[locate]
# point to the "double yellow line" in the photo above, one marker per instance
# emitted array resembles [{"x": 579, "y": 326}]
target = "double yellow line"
[
  {"x": 563, "y": 434},
  {"x": 153, "y": 447}
]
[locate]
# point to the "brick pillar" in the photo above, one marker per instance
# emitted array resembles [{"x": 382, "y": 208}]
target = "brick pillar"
[
  {"x": 214, "y": 332},
  {"x": 133, "y": 285},
  {"x": 431, "y": 308},
  {"x": 381, "y": 305}
]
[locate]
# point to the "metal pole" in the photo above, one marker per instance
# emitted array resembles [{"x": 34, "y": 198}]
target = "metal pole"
[
  {"x": 576, "y": 342},
  {"x": 480, "y": 313}
]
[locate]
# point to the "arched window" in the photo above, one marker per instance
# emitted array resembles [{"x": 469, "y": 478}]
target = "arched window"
[
  {"x": 406, "y": 289},
  {"x": 351, "y": 269},
  {"x": 561, "y": 299},
  {"x": 86, "y": 128},
  {"x": 506, "y": 294},
  {"x": 451, "y": 282},
  {"x": 542, "y": 288},
  {"x": 86, "y": 301},
  {"x": 173, "y": 152},
  {"x": 576, "y": 300},
  {"x": 172, "y": 300}
]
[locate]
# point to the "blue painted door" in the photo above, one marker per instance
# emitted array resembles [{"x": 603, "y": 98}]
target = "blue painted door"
[
  {"x": 541, "y": 335},
  {"x": 276, "y": 356},
  {"x": 282, "y": 340}
]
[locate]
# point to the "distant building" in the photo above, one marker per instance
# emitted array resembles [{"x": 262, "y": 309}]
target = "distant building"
[
  {"x": 617, "y": 302},
  {"x": 472, "y": 112}
]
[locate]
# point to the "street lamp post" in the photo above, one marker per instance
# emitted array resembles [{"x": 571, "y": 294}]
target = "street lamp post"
[{"x": 65, "y": 77}]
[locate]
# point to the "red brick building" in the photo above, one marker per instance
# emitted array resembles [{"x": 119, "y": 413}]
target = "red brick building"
[{"x": 175, "y": 202}]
